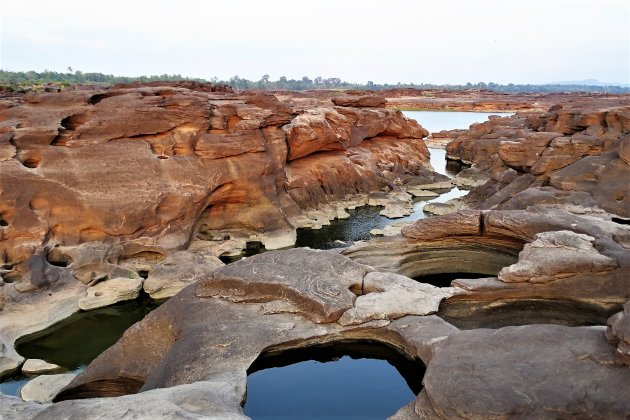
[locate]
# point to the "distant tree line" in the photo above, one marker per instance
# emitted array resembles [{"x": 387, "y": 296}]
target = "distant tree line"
[{"x": 20, "y": 78}]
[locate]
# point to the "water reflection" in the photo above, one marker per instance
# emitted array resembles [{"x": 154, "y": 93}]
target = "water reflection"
[{"x": 347, "y": 380}]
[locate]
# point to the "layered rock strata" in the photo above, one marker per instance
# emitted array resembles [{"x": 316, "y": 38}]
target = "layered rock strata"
[
  {"x": 99, "y": 186},
  {"x": 574, "y": 154}
]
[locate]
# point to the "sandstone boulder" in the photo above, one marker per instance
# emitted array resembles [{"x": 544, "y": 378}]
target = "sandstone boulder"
[
  {"x": 369, "y": 101},
  {"x": 38, "y": 366},
  {"x": 556, "y": 255},
  {"x": 177, "y": 271},
  {"x": 111, "y": 291},
  {"x": 541, "y": 371},
  {"x": 44, "y": 388},
  {"x": 271, "y": 276},
  {"x": 390, "y": 296}
]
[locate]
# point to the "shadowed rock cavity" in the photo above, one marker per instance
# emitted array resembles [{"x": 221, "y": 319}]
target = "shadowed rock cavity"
[{"x": 467, "y": 315}]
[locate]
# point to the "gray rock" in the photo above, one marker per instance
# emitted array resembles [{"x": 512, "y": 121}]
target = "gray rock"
[
  {"x": 315, "y": 281},
  {"x": 220, "y": 399},
  {"x": 555, "y": 255},
  {"x": 44, "y": 388},
  {"x": 10, "y": 360},
  {"x": 534, "y": 371},
  {"x": 390, "y": 296},
  {"x": 618, "y": 333},
  {"x": 34, "y": 366},
  {"x": 111, "y": 291},
  {"x": 14, "y": 408},
  {"x": 220, "y": 326},
  {"x": 178, "y": 271}
]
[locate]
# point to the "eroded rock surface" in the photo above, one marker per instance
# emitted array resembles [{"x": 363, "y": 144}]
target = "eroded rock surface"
[
  {"x": 108, "y": 292},
  {"x": 556, "y": 255},
  {"x": 217, "y": 331},
  {"x": 572, "y": 154},
  {"x": 105, "y": 184},
  {"x": 542, "y": 252},
  {"x": 203, "y": 171},
  {"x": 618, "y": 333},
  {"x": 542, "y": 371},
  {"x": 189, "y": 357}
]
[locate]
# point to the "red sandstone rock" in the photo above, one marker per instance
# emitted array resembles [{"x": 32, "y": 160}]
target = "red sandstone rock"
[
  {"x": 359, "y": 101},
  {"x": 576, "y": 148},
  {"x": 152, "y": 165}
]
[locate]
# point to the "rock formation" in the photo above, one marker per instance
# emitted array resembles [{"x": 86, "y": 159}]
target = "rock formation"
[
  {"x": 200, "y": 171},
  {"x": 98, "y": 186},
  {"x": 190, "y": 356},
  {"x": 572, "y": 154}
]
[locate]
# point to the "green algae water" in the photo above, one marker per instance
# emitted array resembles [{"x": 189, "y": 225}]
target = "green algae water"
[{"x": 74, "y": 342}]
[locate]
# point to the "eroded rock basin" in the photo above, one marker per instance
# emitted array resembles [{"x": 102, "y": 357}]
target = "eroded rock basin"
[{"x": 468, "y": 315}]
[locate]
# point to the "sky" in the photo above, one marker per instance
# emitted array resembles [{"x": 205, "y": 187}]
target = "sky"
[{"x": 384, "y": 41}]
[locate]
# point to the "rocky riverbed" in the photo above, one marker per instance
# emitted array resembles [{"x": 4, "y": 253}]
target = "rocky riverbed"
[{"x": 109, "y": 193}]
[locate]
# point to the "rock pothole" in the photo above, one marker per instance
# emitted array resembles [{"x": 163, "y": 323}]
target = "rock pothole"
[{"x": 320, "y": 381}]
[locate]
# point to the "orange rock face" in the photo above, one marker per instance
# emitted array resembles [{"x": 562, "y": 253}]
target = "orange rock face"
[
  {"x": 575, "y": 153},
  {"x": 148, "y": 166}
]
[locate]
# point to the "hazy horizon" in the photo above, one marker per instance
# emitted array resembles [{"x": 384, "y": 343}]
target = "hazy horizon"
[{"x": 445, "y": 42}]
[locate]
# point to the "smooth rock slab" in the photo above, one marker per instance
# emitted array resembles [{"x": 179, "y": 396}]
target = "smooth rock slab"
[
  {"x": 618, "y": 333},
  {"x": 417, "y": 191},
  {"x": 451, "y": 206},
  {"x": 10, "y": 360},
  {"x": 178, "y": 271},
  {"x": 34, "y": 366},
  {"x": 44, "y": 388},
  {"x": 322, "y": 290},
  {"x": 533, "y": 371},
  {"x": 109, "y": 292}
]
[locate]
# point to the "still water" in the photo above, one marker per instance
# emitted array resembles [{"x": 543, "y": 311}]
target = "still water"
[
  {"x": 435, "y": 121},
  {"x": 344, "y": 380}
]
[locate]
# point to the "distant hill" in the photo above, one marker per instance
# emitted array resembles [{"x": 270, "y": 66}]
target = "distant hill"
[{"x": 590, "y": 82}]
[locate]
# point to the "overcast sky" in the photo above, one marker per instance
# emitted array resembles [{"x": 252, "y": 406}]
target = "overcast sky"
[{"x": 385, "y": 41}]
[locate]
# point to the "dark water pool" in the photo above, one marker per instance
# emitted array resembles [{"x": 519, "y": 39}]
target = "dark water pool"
[
  {"x": 76, "y": 341},
  {"x": 360, "y": 381},
  {"x": 341, "y": 232}
]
